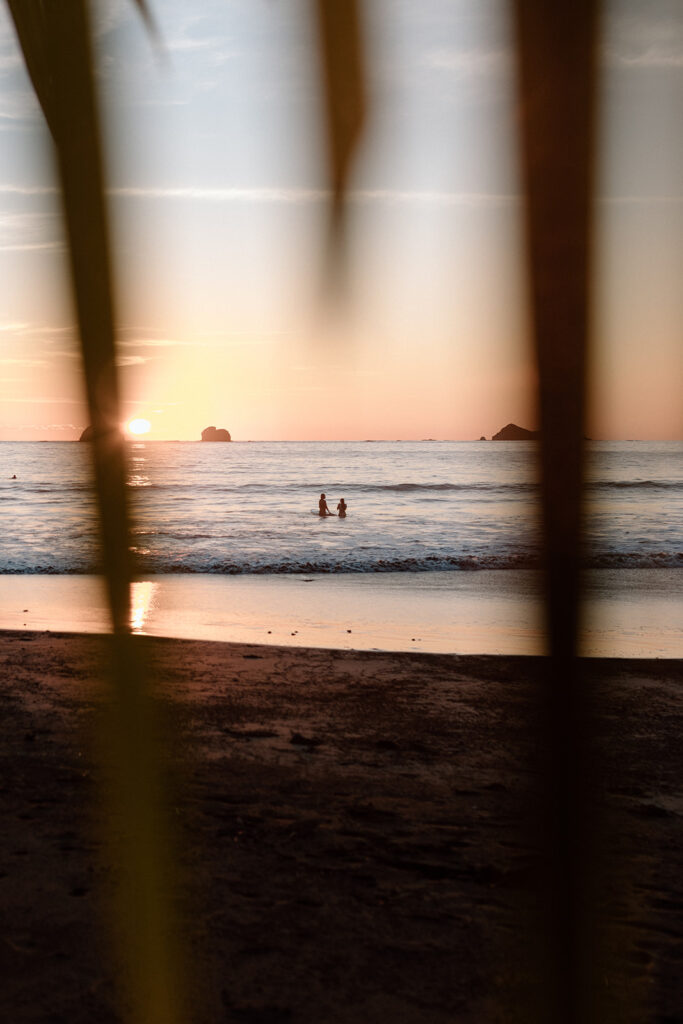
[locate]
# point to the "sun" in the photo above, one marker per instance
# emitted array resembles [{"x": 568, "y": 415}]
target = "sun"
[{"x": 138, "y": 426}]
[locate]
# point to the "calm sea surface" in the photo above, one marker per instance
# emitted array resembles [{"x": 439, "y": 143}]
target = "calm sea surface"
[{"x": 245, "y": 508}]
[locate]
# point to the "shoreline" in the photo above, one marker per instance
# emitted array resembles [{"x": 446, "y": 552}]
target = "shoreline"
[
  {"x": 355, "y": 835},
  {"x": 629, "y": 613}
]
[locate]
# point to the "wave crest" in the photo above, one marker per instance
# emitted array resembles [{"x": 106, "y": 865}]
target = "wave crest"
[{"x": 355, "y": 565}]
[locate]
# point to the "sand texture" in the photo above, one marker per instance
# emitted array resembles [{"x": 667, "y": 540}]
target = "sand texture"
[{"x": 355, "y": 834}]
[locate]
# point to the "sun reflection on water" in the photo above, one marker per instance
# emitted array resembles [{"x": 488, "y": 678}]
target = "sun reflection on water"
[{"x": 142, "y": 598}]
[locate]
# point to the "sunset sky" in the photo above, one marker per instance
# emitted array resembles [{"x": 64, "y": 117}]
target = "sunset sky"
[{"x": 217, "y": 198}]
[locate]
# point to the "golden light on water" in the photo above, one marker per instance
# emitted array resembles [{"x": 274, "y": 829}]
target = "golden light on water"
[
  {"x": 142, "y": 595},
  {"x": 138, "y": 426}
]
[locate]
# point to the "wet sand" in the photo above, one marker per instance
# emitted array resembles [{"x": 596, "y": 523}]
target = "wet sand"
[
  {"x": 628, "y": 613},
  {"x": 355, "y": 834}
]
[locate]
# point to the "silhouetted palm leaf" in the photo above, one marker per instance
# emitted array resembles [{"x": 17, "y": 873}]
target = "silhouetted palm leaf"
[
  {"x": 148, "y": 18},
  {"x": 341, "y": 54},
  {"x": 55, "y": 39},
  {"x": 56, "y": 46},
  {"x": 556, "y": 50}
]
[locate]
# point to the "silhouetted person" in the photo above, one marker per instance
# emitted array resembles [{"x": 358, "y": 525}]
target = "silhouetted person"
[
  {"x": 13, "y": 477},
  {"x": 341, "y": 509},
  {"x": 323, "y": 510}
]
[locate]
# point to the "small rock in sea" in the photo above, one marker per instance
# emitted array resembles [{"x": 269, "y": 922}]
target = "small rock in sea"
[
  {"x": 24, "y": 609},
  {"x": 211, "y": 434},
  {"x": 348, "y": 631},
  {"x": 270, "y": 631}
]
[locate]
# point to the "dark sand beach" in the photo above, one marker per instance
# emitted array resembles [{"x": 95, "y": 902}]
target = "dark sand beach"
[{"x": 354, "y": 832}]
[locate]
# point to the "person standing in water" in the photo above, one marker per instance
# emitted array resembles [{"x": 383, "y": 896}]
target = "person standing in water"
[
  {"x": 341, "y": 509},
  {"x": 323, "y": 510}
]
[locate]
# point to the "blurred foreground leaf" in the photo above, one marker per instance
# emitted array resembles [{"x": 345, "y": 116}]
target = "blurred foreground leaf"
[
  {"x": 556, "y": 44},
  {"x": 343, "y": 67},
  {"x": 55, "y": 39}
]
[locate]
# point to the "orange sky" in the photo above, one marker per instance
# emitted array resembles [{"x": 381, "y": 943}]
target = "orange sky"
[{"x": 217, "y": 212}]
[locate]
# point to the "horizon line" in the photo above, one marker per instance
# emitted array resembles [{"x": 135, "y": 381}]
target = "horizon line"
[{"x": 344, "y": 440}]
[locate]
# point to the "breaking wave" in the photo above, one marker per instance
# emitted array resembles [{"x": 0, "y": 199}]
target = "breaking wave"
[{"x": 193, "y": 564}]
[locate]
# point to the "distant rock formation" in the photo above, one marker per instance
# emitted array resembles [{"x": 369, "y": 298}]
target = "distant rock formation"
[
  {"x": 482, "y": 438},
  {"x": 211, "y": 434},
  {"x": 89, "y": 433},
  {"x": 511, "y": 432}
]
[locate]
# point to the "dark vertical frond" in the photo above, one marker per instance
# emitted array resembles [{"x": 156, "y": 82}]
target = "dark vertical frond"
[
  {"x": 56, "y": 42},
  {"x": 343, "y": 66},
  {"x": 557, "y": 84},
  {"x": 148, "y": 18},
  {"x": 556, "y": 71}
]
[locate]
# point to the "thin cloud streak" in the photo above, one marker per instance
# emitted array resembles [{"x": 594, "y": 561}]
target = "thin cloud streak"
[
  {"x": 10, "y": 361},
  {"x": 157, "y": 343},
  {"x": 263, "y": 195},
  {"x": 28, "y": 190},
  {"x": 641, "y": 200},
  {"x": 305, "y": 195},
  {"x": 387, "y": 196},
  {"x": 43, "y": 401},
  {"x": 461, "y": 63},
  {"x": 132, "y": 360},
  {"x": 34, "y": 247},
  {"x": 648, "y": 59},
  {"x": 16, "y": 327},
  {"x": 25, "y": 427}
]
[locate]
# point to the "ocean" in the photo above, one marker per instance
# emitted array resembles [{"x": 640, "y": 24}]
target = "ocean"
[
  {"x": 244, "y": 508},
  {"x": 439, "y": 549}
]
